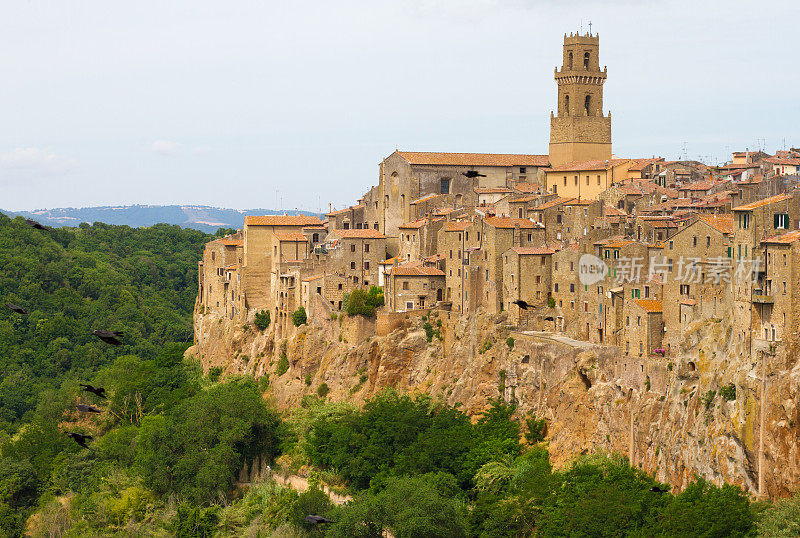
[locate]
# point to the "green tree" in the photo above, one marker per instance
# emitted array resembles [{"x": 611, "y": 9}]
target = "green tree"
[
  {"x": 703, "y": 509},
  {"x": 782, "y": 519},
  {"x": 299, "y": 316},
  {"x": 262, "y": 319}
]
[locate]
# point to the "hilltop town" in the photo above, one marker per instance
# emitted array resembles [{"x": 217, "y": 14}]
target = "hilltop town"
[{"x": 677, "y": 242}]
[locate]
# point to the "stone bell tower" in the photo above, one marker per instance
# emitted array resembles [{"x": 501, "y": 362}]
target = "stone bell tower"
[{"x": 578, "y": 130}]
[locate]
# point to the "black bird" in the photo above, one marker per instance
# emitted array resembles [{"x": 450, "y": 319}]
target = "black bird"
[
  {"x": 80, "y": 438},
  {"x": 522, "y": 304},
  {"x": 317, "y": 519},
  {"x": 33, "y": 224},
  {"x": 97, "y": 391},
  {"x": 17, "y": 309},
  {"x": 656, "y": 489},
  {"x": 83, "y": 408},
  {"x": 109, "y": 337},
  {"x": 473, "y": 173}
]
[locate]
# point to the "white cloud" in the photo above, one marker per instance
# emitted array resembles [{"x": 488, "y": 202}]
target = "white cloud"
[
  {"x": 36, "y": 161},
  {"x": 166, "y": 147}
]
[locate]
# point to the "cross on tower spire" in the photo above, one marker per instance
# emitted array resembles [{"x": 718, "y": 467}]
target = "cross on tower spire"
[{"x": 590, "y": 27}]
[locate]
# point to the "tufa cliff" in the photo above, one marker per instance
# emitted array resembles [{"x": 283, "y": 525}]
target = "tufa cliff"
[{"x": 705, "y": 411}]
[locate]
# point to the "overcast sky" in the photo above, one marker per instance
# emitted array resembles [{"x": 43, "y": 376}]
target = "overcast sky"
[{"x": 293, "y": 104}]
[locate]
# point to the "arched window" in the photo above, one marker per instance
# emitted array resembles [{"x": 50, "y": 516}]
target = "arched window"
[
  {"x": 587, "y": 103},
  {"x": 569, "y": 61},
  {"x": 586, "y": 60},
  {"x": 566, "y": 104}
]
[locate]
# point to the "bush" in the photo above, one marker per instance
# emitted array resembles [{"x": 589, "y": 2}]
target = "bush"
[
  {"x": 485, "y": 346},
  {"x": 299, "y": 316},
  {"x": 283, "y": 365},
  {"x": 510, "y": 343},
  {"x": 428, "y": 331},
  {"x": 262, "y": 320},
  {"x": 323, "y": 390},
  {"x": 728, "y": 392},
  {"x": 551, "y": 302},
  {"x": 363, "y": 303},
  {"x": 308, "y": 379},
  {"x": 537, "y": 429},
  {"x": 214, "y": 374}
]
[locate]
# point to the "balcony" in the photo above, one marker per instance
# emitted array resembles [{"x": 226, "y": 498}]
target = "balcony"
[{"x": 761, "y": 298}]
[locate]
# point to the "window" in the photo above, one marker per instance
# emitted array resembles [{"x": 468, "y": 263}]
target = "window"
[
  {"x": 566, "y": 111},
  {"x": 466, "y": 236},
  {"x": 523, "y": 170},
  {"x": 569, "y": 62},
  {"x": 555, "y": 287},
  {"x": 684, "y": 289},
  {"x": 745, "y": 221},
  {"x": 366, "y": 247},
  {"x": 375, "y": 226},
  {"x": 585, "y": 306},
  {"x": 213, "y": 255},
  {"x": 346, "y": 225},
  {"x": 639, "y": 321},
  {"x": 586, "y": 60},
  {"x": 405, "y": 284},
  {"x": 781, "y": 221},
  {"x": 444, "y": 185},
  {"x": 587, "y": 104},
  {"x": 572, "y": 288},
  {"x": 366, "y": 266},
  {"x": 571, "y": 266},
  {"x": 627, "y": 320},
  {"x": 451, "y": 254},
  {"x": 355, "y": 280},
  {"x": 598, "y": 179},
  {"x": 352, "y": 265},
  {"x": 340, "y": 286},
  {"x": 315, "y": 238},
  {"x": 487, "y": 274},
  {"x": 671, "y": 244},
  {"x": 530, "y": 237},
  {"x": 353, "y": 247},
  {"x": 409, "y": 305},
  {"x": 538, "y": 279},
  {"x": 544, "y": 260},
  {"x": 694, "y": 241}
]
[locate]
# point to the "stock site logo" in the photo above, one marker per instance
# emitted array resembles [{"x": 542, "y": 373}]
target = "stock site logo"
[{"x": 591, "y": 269}]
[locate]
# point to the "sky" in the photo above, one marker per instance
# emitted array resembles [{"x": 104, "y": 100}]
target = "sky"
[{"x": 286, "y": 105}]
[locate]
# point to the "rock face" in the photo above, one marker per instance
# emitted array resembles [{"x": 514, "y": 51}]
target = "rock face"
[{"x": 698, "y": 413}]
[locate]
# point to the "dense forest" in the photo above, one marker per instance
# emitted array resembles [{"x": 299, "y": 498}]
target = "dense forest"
[{"x": 167, "y": 443}]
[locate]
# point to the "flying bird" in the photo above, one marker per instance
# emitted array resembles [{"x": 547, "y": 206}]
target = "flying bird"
[
  {"x": 656, "y": 489},
  {"x": 83, "y": 408},
  {"x": 317, "y": 519},
  {"x": 109, "y": 337},
  {"x": 80, "y": 438},
  {"x": 17, "y": 309},
  {"x": 522, "y": 304},
  {"x": 97, "y": 391},
  {"x": 473, "y": 173},
  {"x": 33, "y": 224}
]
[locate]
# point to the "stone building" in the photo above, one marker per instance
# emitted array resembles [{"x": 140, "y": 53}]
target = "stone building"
[
  {"x": 355, "y": 255},
  {"x": 418, "y": 239},
  {"x": 406, "y": 177},
  {"x": 642, "y": 329},
  {"x": 413, "y": 287},
  {"x": 585, "y": 179},
  {"x": 219, "y": 277},
  {"x": 775, "y": 305},
  {"x": 527, "y": 276},
  {"x": 578, "y": 130}
]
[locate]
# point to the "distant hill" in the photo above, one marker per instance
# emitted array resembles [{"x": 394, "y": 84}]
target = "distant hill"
[{"x": 204, "y": 218}]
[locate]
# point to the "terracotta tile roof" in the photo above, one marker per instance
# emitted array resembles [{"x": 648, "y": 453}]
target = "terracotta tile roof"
[
  {"x": 231, "y": 267},
  {"x": 506, "y": 222},
  {"x": 492, "y": 190},
  {"x": 608, "y": 240},
  {"x": 785, "y": 161},
  {"x": 415, "y": 270},
  {"x": 579, "y": 201},
  {"x": 649, "y": 305},
  {"x": 426, "y": 198},
  {"x": 413, "y": 225},
  {"x": 523, "y": 199},
  {"x": 762, "y": 203},
  {"x": 231, "y": 242},
  {"x": 473, "y": 159},
  {"x": 526, "y": 187},
  {"x": 609, "y": 211},
  {"x": 390, "y": 261},
  {"x": 535, "y": 251},
  {"x": 703, "y": 185},
  {"x": 629, "y": 190},
  {"x": 457, "y": 226},
  {"x": 619, "y": 244},
  {"x": 689, "y": 302},
  {"x": 314, "y": 277},
  {"x": 599, "y": 164},
  {"x": 291, "y": 236},
  {"x": 639, "y": 164},
  {"x": 345, "y": 210},
  {"x": 788, "y": 237},
  {"x": 365, "y": 233},
  {"x": 723, "y": 223},
  {"x": 314, "y": 228},
  {"x": 281, "y": 220},
  {"x": 554, "y": 202}
]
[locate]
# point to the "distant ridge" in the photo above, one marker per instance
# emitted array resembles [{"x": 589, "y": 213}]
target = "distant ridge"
[{"x": 199, "y": 217}]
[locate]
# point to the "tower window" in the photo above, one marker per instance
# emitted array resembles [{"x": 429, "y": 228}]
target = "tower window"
[
  {"x": 586, "y": 60},
  {"x": 587, "y": 103},
  {"x": 566, "y": 104},
  {"x": 569, "y": 62}
]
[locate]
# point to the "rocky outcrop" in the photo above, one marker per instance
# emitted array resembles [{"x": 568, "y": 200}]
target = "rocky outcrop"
[{"x": 697, "y": 413}]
